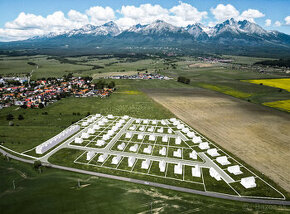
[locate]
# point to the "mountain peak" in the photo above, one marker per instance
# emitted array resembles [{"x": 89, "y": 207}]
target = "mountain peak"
[{"x": 110, "y": 24}]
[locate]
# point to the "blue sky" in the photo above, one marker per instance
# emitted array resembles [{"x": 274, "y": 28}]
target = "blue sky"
[{"x": 15, "y": 13}]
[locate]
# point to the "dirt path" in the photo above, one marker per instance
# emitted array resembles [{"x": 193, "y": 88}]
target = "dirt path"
[{"x": 256, "y": 134}]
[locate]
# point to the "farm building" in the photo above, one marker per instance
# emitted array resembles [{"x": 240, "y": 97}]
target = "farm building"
[
  {"x": 213, "y": 173},
  {"x": 235, "y": 170},
  {"x": 148, "y": 149},
  {"x": 177, "y": 153},
  {"x": 79, "y": 140},
  {"x": 100, "y": 143},
  {"x": 121, "y": 146},
  {"x": 90, "y": 155},
  {"x": 116, "y": 159},
  {"x": 162, "y": 165},
  {"x": 248, "y": 182},
  {"x": 102, "y": 158},
  {"x": 193, "y": 155},
  {"x": 145, "y": 164},
  {"x": 178, "y": 140},
  {"x": 195, "y": 171},
  {"x": 213, "y": 152},
  {"x": 131, "y": 161},
  {"x": 223, "y": 160},
  {"x": 133, "y": 148},
  {"x": 162, "y": 151},
  {"x": 203, "y": 145},
  {"x": 178, "y": 169},
  {"x": 152, "y": 137}
]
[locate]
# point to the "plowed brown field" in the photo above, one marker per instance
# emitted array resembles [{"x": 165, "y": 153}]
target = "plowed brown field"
[{"x": 258, "y": 135}]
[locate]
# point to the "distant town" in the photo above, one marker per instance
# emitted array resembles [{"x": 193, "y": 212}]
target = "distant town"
[
  {"x": 20, "y": 91},
  {"x": 143, "y": 76}
]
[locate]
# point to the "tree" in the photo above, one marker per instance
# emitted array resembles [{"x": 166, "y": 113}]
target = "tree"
[
  {"x": 24, "y": 106},
  {"x": 20, "y": 117},
  {"x": 9, "y": 117},
  {"x": 100, "y": 84},
  {"x": 40, "y": 105},
  {"x": 183, "y": 80},
  {"x": 36, "y": 164},
  {"x": 111, "y": 84}
]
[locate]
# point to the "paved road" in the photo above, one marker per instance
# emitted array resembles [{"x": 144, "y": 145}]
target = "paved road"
[
  {"x": 206, "y": 164},
  {"x": 181, "y": 189}
]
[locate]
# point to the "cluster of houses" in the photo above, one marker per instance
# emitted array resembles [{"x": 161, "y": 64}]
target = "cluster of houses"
[
  {"x": 40, "y": 93},
  {"x": 141, "y": 128},
  {"x": 141, "y": 76}
]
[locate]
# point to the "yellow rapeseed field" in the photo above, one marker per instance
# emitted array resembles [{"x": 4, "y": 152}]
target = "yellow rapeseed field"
[
  {"x": 131, "y": 92},
  {"x": 277, "y": 83},
  {"x": 282, "y": 104},
  {"x": 226, "y": 90}
]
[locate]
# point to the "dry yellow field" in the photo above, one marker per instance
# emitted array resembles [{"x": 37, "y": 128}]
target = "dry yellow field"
[
  {"x": 282, "y": 104},
  {"x": 108, "y": 74},
  {"x": 258, "y": 135},
  {"x": 277, "y": 83},
  {"x": 202, "y": 65}
]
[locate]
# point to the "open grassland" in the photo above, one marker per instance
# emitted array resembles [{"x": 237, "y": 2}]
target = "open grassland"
[
  {"x": 41, "y": 124},
  {"x": 283, "y": 105},
  {"x": 56, "y": 191},
  {"x": 277, "y": 83},
  {"x": 257, "y": 135},
  {"x": 99, "y": 66},
  {"x": 226, "y": 80},
  {"x": 108, "y": 74},
  {"x": 245, "y": 60},
  {"x": 47, "y": 66}
]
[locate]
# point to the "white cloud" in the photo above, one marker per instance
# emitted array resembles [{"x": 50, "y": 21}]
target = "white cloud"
[
  {"x": 251, "y": 14},
  {"x": 224, "y": 12},
  {"x": 24, "y": 21},
  {"x": 188, "y": 13},
  {"x": 287, "y": 20},
  {"x": 99, "y": 15},
  {"x": 180, "y": 15},
  {"x": 277, "y": 24},
  {"x": 76, "y": 16},
  {"x": 30, "y": 25},
  {"x": 268, "y": 22},
  {"x": 144, "y": 14},
  {"x": 27, "y": 25}
]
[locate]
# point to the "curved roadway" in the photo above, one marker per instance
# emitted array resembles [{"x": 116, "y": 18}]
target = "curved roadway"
[{"x": 181, "y": 189}]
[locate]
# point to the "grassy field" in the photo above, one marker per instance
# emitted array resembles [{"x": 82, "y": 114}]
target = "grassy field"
[
  {"x": 245, "y": 60},
  {"x": 226, "y": 80},
  {"x": 62, "y": 195},
  {"x": 47, "y": 67},
  {"x": 41, "y": 124}
]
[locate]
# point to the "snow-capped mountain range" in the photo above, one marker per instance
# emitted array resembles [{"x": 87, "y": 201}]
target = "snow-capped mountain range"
[
  {"x": 165, "y": 29},
  {"x": 230, "y": 35}
]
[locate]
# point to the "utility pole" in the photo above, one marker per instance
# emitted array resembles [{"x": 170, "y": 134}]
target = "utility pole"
[{"x": 79, "y": 183}]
